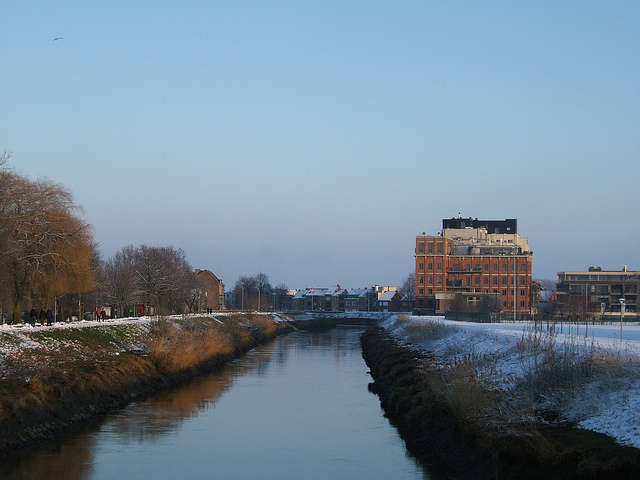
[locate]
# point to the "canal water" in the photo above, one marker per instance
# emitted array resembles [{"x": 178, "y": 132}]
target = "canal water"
[{"x": 295, "y": 408}]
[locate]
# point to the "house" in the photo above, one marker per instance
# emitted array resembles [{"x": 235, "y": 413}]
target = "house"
[
  {"x": 213, "y": 291},
  {"x": 338, "y": 299},
  {"x": 390, "y": 301},
  {"x": 355, "y": 299}
]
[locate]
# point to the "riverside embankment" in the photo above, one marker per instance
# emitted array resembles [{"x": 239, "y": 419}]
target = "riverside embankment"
[
  {"x": 451, "y": 417},
  {"x": 55, "y": 379}
]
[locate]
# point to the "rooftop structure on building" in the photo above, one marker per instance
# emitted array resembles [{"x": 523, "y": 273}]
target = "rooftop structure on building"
[{"x": 510, "y": 225}]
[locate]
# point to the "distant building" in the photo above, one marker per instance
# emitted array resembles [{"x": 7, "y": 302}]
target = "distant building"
[
  {"x": 213, "y": 295},
  {"x": 475, "y": 264},
  {"x": 390, "y": 301},
  {"x": 338, "y": 299},
  {"x": 598, "y": 291}
]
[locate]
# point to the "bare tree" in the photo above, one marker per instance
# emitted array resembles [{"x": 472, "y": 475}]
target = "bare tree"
[
  {"x": 280, "y": 295},
  {"x": 120, "y": 281},
  {"x": 160, "y": 278},
  {"x": 408, "y": 290},
  {"x": 246, "y": 292}
]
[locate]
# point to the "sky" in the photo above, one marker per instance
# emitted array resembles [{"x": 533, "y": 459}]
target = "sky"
[{"x": 312, "y": 141}]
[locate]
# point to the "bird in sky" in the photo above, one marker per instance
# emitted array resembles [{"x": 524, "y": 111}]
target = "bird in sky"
[{"x": 57, "y": 38}]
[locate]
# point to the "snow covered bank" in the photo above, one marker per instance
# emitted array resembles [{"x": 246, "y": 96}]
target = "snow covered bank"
[{"x": 588, "y": 377}]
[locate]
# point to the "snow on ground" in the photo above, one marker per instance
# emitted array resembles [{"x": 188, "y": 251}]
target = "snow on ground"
[
  {"x": 610, "y": 406},
  {"x": 613, "y": 409}
]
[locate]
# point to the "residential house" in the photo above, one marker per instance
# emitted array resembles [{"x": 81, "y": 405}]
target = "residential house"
[{"x": 213, "y": 291}]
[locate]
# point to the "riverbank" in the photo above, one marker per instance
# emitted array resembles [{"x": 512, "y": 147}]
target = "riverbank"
[
  {"x": 446, "y": 407},
  {"x": 55, "y": 379}
]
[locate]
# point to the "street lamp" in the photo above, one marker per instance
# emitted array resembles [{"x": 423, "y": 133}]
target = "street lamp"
[
  {"x": 622, "y": 311},
  {"x": 515, "y": 279},
  {"x": 242, "y": 304}
]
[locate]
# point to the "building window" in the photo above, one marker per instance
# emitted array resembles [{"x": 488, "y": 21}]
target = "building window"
[
  {"x": 477, "y": 281},
  {"x": 522, "y": 304},
  {"x": 495, "y": 280},
  {"x": 486, "y": 280},
  {"x": 504, "y": 267},
  {"x": 523, "y": 267},
  {"x": 420, "y": 247},
  {"x": 430, "y": 291},
  {"x": 523, "y": 280},
  {"x": 439, "y": 280},
  {"x": 455, "y": 267},
  {"x": 486, "y": 267},
  {"x": 430, "y": 280},
  {"x": 495, "y": 267},
  {"x": 421, "y": 291},
  {"x": 504, "y": 293},
  {"x": 504, "y": 280},
  {"x": 523, "y": 293},
  {"x": 468, "y": 281},
  {"x": 421, "y": 266},
  {"x": 439, "y": 266},
  {"x": 420, "y": 280},
  {"x": 439, "y": 247},
  {"x": 430, "y": 247},
  {"x": 430, "y": 266}
]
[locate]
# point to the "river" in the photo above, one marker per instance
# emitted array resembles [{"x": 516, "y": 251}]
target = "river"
[{"x": 297, "y": 407}]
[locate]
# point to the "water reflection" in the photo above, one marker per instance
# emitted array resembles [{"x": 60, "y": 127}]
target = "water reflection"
[{"x": 295, "y": 407}]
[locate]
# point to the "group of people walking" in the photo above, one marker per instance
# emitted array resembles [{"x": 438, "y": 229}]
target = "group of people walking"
[{"x": 42, "y": 317}]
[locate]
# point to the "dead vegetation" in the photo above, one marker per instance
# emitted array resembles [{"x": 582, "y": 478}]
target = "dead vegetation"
[
  {"x": 53, "y": 380},
  {"x": 451, "y": 413}
]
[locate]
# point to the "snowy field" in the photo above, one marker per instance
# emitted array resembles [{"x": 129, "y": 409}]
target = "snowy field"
[{"x": 608, "y": 404}]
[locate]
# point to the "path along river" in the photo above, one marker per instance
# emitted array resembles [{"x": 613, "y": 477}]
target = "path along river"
[{"x": 295, "y": 408}]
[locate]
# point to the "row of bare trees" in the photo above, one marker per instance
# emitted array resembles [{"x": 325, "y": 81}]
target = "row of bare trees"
[
  {"x": 256, "y": 293},
  {"x": 48, "y": 258},
  {"x": 159, "y": 278}
]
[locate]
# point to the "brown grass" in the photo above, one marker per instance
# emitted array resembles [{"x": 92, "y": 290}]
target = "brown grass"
[
  {"x": 174, "y": 347},
  {"x": 65, "y": 377}
]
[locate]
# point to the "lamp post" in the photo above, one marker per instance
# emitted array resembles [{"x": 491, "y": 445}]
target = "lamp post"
[
  {"x": 258, "y": 297},
  {"x": 622, "y": 311},
  {"x": 515, "y": 279}
]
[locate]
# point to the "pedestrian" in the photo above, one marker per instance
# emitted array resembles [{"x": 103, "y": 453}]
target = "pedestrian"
[
  {"x": 103, "y": 314},
  {"x": 42, "y": 316},
  {"x": 98, "y": 314},
  {"x": 49, "y": 316},
  {"x": 33, "y": 315}
]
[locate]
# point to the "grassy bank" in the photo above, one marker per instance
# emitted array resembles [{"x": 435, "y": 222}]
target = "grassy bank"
[
  {"x": 55, "y": 379},
  {"x": 451, "y": 419}
]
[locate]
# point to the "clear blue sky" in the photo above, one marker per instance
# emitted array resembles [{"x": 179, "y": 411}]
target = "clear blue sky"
[{"x": 313, "y": 141}]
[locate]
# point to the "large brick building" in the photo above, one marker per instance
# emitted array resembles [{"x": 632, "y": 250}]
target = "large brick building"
[{"x": 481, "y": 265}]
